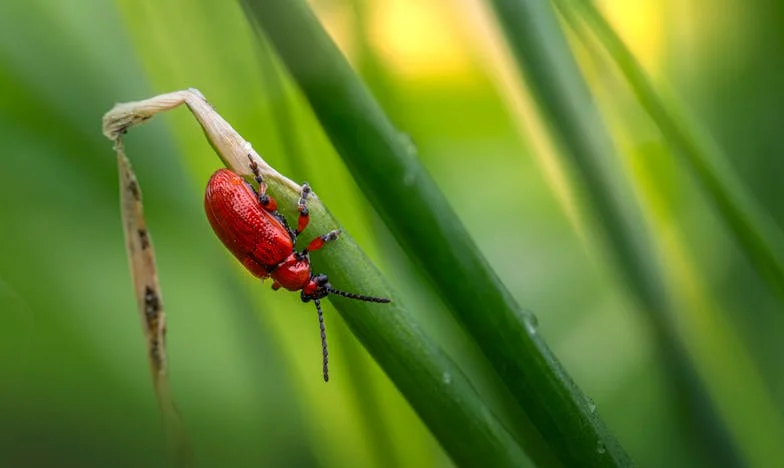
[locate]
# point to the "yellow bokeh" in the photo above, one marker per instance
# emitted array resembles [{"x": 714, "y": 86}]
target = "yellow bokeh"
[
  {"x": 639, "y": 24},
  {"x": 424, "y": 38},
  {"x": 418, "y": 38}
]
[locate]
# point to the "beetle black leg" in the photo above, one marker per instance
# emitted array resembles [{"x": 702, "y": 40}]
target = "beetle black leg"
[
  {"x": 302, "y": 207},
  {"x": 267, "y": 202}
]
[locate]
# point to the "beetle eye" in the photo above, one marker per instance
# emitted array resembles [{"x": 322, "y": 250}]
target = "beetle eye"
[{"x": 320, "y": 279}]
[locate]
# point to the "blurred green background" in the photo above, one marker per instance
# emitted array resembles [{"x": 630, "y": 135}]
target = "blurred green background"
[{"x": 245, "y": 362}]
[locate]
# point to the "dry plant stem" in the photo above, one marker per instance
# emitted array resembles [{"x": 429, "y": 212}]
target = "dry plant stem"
[
  {"x": 144, "y": 273},
  {"x": 228, "y": 144}
]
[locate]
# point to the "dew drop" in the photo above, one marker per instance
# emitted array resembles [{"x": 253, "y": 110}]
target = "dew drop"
[
  {"x": 446, "y": 377},
  {"x": 408, "y": 144},
  {"x": 531, "y": 322},
  {"x": 600, "y": 448},
  {"x": 591, "y": 406},
  {"x": 533, "y": 319},
  {"x": 589, "y": 403}
]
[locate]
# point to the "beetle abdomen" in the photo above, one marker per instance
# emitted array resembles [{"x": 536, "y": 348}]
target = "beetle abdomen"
[{"x": 253, "y": 235}]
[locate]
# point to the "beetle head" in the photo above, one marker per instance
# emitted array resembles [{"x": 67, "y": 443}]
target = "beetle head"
[
  {"x": 316, "y": 288},
  {"x": 319, "y": 287}
]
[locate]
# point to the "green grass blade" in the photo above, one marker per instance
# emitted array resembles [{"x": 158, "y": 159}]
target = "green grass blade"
[
  {"x": 753, "y": 228},
  {"x": 365, "y": 392},
  {"x": 430, "y": 381},
  {"x": 733, "y": 379},
  {"x": 546, "y": 62},
  {"x": 718, "y": 349},
  {"x": 385, "y": 167}
]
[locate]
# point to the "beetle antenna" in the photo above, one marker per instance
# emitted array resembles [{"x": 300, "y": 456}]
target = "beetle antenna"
[
  {"x": 323, "y": 339},
  {"x": 358, "y": 297}
]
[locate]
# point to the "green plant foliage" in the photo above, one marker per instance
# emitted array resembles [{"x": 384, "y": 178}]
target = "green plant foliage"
[
  {"x": 245, "y": 361},
  {"x": 385, "y": 167},
  {"x": 762, "y": 241}
]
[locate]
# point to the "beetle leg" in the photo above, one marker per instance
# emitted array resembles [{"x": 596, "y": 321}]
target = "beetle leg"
[
  {"x": 319, "y": 241},
  {"x": 275, "y": 286},
  {"x": 302, "y": 207},
  {"x": 266, "y": 202}
]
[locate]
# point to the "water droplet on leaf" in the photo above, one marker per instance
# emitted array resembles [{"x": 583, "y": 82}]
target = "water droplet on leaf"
[
  {"x": 591, "y": 405},
  {"x": 600, "y": 448},
  {"x": 408, "y": 144}
]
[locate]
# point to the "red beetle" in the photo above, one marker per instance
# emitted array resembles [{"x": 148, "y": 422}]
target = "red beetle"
[{"x": 249, "y": 225}]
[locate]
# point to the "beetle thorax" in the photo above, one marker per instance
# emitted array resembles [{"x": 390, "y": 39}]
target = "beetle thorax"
[{"x": 293, "y": 273}]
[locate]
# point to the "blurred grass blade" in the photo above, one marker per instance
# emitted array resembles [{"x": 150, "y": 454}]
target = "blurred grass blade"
[
  {"x": 385, "y": 166},
  {"x": 731, "y": 375},
  {"x": 753, "y": 228},
  {"x": 748, "y": 412},
  {"x": 545, "y": 60},
  {"x": 364, "y": 393},
  {"x": 144, "y": 274},
  {"x": 435, "y": 387}
]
